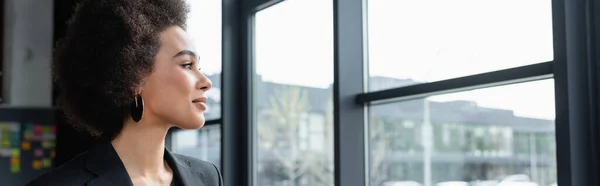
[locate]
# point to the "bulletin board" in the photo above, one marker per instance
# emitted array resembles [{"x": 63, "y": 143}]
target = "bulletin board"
[{"x": 27, "y": 144}]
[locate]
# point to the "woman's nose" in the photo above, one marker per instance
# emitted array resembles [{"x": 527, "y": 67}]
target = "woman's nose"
[{"x": 204, "y": 83}]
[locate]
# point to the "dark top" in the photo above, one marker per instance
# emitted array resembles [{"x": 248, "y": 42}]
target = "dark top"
[
  {"x": 175, "y": 181},
  {"x": 101, "y": 166}
]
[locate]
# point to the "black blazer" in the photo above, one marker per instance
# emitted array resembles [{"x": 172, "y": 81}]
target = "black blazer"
[{"x": 102, "y": 166}]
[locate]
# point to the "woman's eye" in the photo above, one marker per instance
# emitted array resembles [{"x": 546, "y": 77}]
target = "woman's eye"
[{"x": 188, "y": 65}]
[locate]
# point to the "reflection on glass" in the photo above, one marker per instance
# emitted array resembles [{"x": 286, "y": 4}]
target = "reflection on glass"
[
  {"x": 204, "y": 144},
  {"x": 500, "y": 136},
  {"x": 292, "y": 100},
  {"x": 204, "y": 25},
  {"x": 426, "y": 41}
]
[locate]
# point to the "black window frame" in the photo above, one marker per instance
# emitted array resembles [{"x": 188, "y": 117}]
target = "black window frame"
[{"x": 575, "y": 70}]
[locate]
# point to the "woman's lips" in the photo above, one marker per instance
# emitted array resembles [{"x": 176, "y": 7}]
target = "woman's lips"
[{"x": 200, "y": 103}]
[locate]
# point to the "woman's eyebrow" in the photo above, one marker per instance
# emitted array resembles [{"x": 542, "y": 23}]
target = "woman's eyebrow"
[{"x": 186, "y": 52}]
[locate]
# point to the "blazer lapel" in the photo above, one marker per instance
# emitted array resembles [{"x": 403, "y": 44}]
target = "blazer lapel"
[
  {"x": 183, "y": 168},
  {"x": 105, "y": 163}
]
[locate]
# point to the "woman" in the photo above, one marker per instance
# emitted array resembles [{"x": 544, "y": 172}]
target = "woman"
[{"x": 127, "y": 72}]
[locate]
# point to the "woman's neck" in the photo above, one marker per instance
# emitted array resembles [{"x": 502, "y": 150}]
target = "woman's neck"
[{"x": 141, "y": 147}]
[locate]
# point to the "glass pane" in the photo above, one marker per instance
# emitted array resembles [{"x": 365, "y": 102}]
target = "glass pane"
[
  {"x": 293, "y": 95},
  {"x": 204, "y": 25},
  {"x": 204, "y": 143},
  {"x": 494, "y": 136},
  {"x": 412, "y": 42}
]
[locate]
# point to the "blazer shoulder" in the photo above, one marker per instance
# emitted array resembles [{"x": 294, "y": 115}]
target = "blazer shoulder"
[
  {"x": 202, "y": 166},
  {"x": 70, "y": 173}
]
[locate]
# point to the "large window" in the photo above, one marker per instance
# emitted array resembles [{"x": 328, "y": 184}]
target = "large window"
[
  {"x": 483, "y": 136},
  {"x": 292, "y": 101},
  {"x": 424, "y": 41},
  {"x": 204, "y": 25},
  {"x": 410, "y": 93}
]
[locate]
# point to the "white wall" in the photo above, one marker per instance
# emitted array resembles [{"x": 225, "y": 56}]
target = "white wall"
[{"x": 29, "y": 42}]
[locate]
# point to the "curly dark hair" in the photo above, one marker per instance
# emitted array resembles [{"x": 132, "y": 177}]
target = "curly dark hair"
[{"x": 107, "y": 50}]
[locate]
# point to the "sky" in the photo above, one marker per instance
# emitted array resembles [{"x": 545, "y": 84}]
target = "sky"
[{"x": 421, "y": 40}]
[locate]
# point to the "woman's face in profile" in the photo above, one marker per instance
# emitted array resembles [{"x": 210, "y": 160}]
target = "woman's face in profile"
[{"x": 175, "y": 92}]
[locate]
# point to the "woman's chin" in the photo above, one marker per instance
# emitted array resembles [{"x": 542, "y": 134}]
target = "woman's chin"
[
  {"x": 195, "y": 123},
  {"x": 191, "y": 126}
]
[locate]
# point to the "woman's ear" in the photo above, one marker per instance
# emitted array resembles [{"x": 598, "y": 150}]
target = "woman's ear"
[{"x": 137, "y": 90}]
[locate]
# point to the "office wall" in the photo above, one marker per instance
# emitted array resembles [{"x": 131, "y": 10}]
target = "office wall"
[
  {"x": 28, "y": 48},
  {"x": 27, "y": 87}
]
